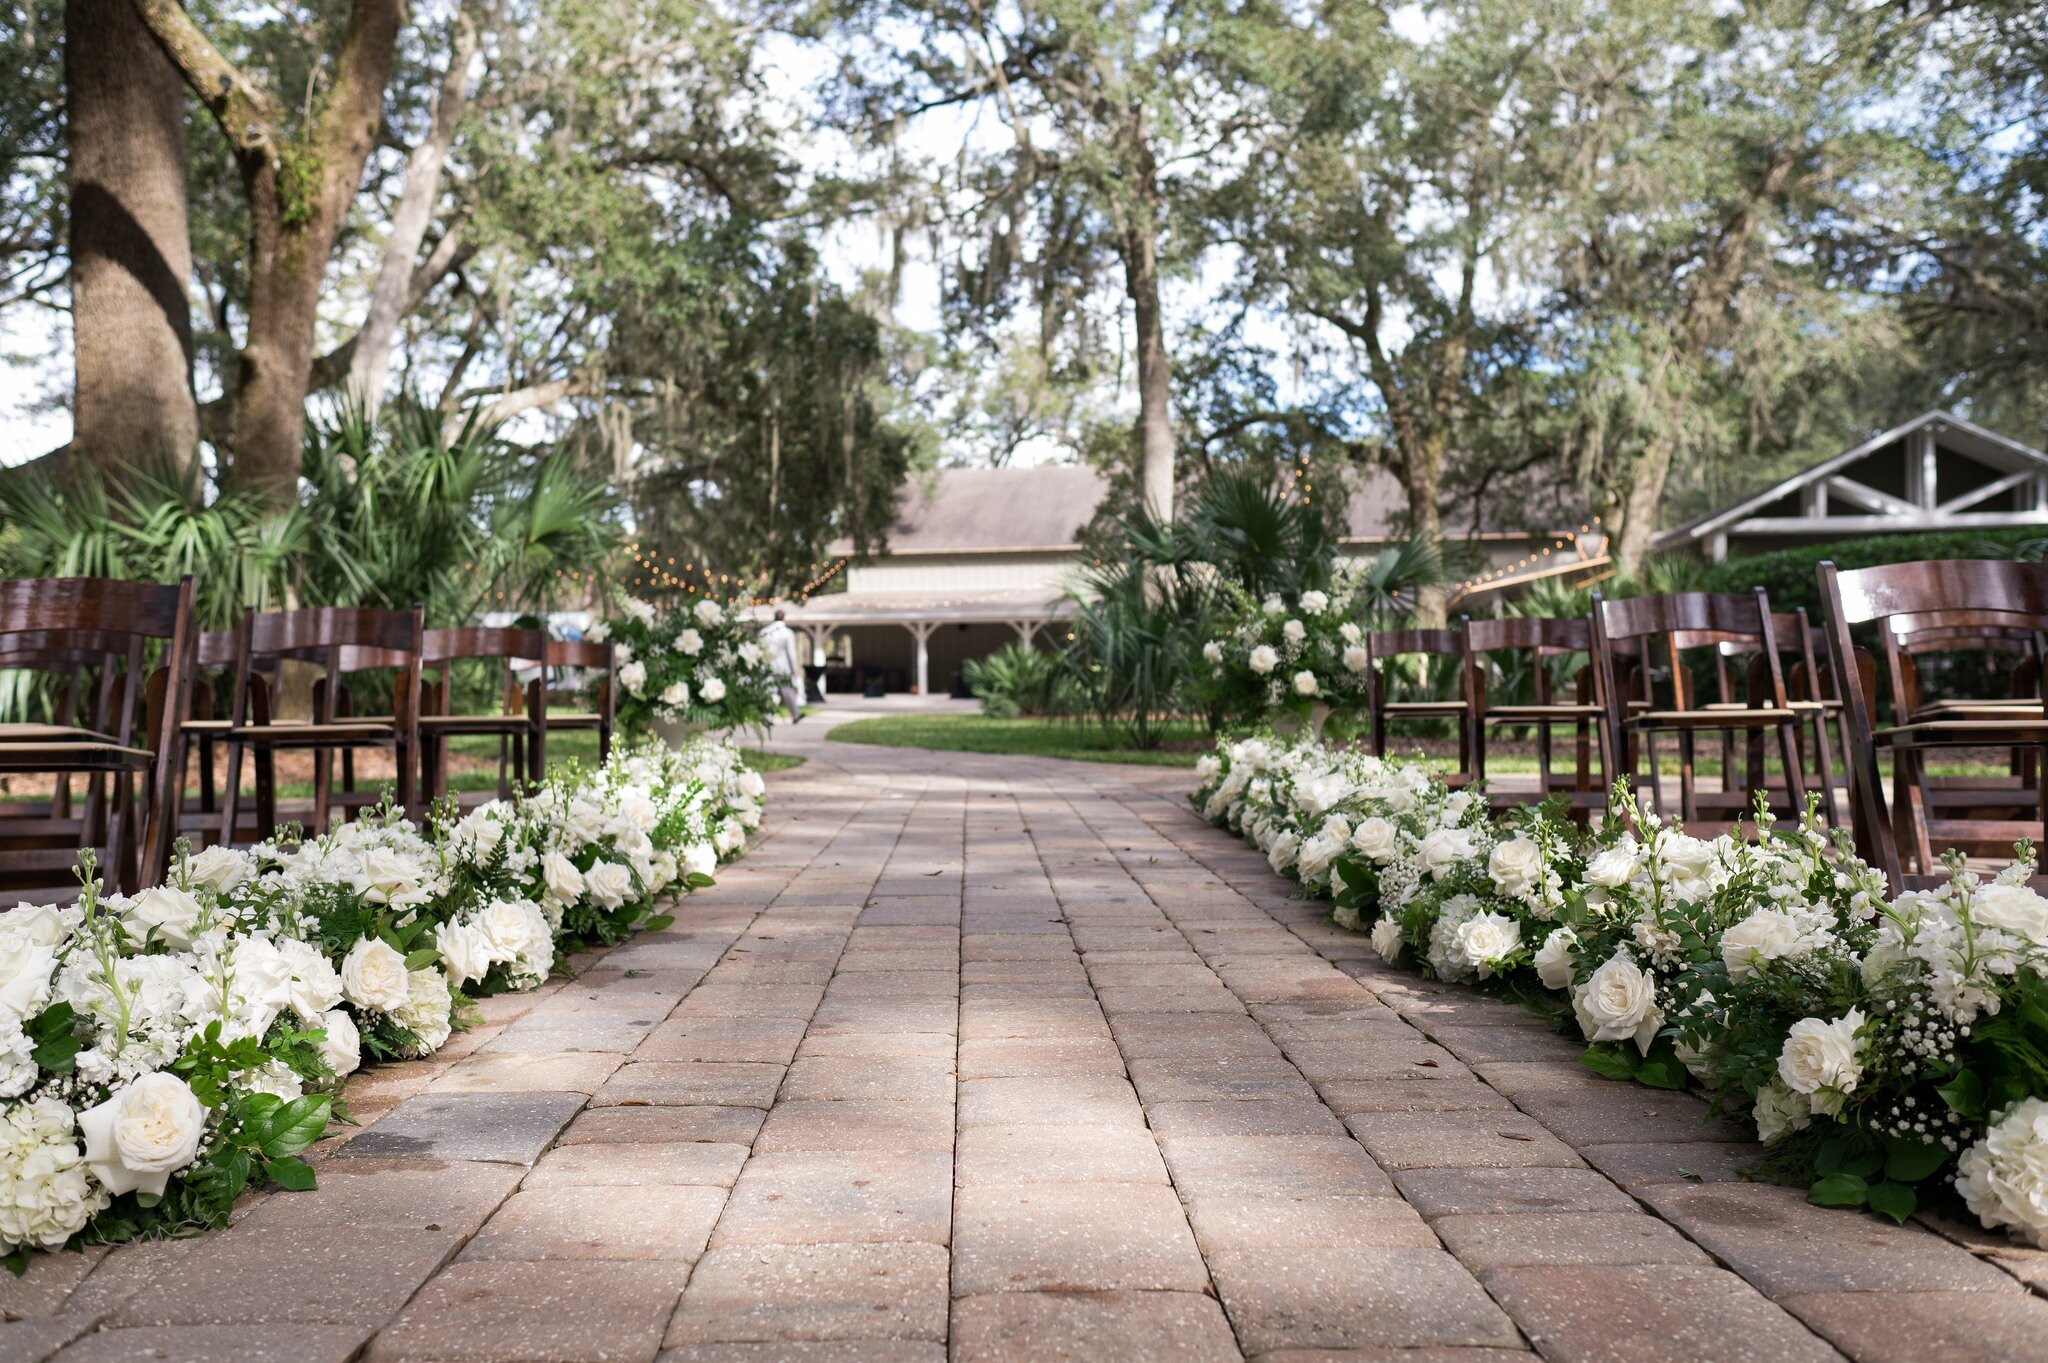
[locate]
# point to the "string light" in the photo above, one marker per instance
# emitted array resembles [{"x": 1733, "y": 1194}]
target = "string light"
[{"x": 1571, "y": 538}]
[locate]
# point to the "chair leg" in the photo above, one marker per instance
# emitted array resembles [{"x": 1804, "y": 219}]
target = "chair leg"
[
  {"x": 323, "y": 789},
  {"x": 1911, "y": 767},
  {"x": 1688, "y": 790},
  {"x": 1827, "y": 768},
  {"x": 1649, "y": 746},
  {"x": 232, "y": 804},
  {"x": 266, "y": 792},
  {"x": 1795, "y": 769}
]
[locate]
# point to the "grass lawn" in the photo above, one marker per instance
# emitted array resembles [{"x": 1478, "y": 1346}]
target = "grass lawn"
[{"x": 1182, "y": 744}]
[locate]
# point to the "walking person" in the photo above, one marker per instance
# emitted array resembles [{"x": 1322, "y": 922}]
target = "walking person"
[{"x": 780, "y": 642}]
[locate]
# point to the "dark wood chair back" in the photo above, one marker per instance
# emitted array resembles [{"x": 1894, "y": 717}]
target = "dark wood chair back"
[{"x": 589, "y": 655}]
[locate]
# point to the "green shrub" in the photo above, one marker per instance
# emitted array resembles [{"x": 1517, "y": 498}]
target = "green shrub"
[
  {"x": 1015, "y": 680},
  {"x": 1787, "y": 574}
]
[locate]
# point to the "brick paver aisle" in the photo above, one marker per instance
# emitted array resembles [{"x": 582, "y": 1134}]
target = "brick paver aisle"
[{"x": 997, "y": 1059}]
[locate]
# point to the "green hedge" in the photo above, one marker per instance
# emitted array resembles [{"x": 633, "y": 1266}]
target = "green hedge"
[{"x": 1787, "y": 574}]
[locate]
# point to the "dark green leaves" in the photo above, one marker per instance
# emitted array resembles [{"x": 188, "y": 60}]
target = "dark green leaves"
[{"x": 52, "y": 1031}]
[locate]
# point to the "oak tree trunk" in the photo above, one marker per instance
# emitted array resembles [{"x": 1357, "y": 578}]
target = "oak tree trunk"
[
  {"x": 1141, "y": 283},
  {"x": 131, "y": 257}
]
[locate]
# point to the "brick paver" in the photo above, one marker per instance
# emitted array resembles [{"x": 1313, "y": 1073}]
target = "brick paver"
[{"x": 998, "y": 1059}]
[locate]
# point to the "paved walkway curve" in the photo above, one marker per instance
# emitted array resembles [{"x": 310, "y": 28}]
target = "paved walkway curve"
[{"x": 1016, "y": 1059}]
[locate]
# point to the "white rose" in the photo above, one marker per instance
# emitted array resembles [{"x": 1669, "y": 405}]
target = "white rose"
[
  {"x": 218, "y": 868},
  {"x": 261, "y": 987},
  {"x": 1294, "y": 632},
  {"x": 2011, "y": 908},
  {"x": 1350, "y": 633},
  {"x": 1314, "y": 603},
  {"x": 2004, "y": 1176},
  {"x": 343, "y": 1047},
  {"x": 676, "y": 695},
  {"x": 713, "y": 691},
  {"x": 513, "y": 928},
  {"x": 465, "y": 952},
  {"x": 1356, "y": 659},
  {"x": 1682, "y": 859},
  {"x": 41, "y": 922},
  {"x": 1612, "y": 867},
  {"x": 1212, "y": 651},
  {"x": 563, "y": 881},
  {"x": 1764, "y": 936},
  {"x": 750, "y": 654},
  {"x": 608, "y": 884},
  {"x": 373, "y": 975},
  {"x": 143, "y": 1134},
  {"x": 1822, "y": 1055},
  {"x": 1304, "y": 683},
  {"x": 1485, "y": 939},
  {"x": 751, "y": 784},
  {"x": 1386, "y": 939},
  {"x": 1516, "y": 866},
  {"x": 640, "y": 610},
  {"x": 633, "y": 676},
  {"x": 26, "y": 966},
  {"x": 1618, "y": 1002},
  {"x": 689, "y": 643},
  {"x": 598, "y": 632},
  {"x": 1376, "y": 838},
  {"x": 707, "y": 613},
  {"x": 315, "y": 986},
  {"x": 166, "y": 913},
  {"x": 1557, "y": 958},
  {"x": 1273, "y": 605},
  {"x": 1264, "y": 659},
  {"x": 700, "y": 859},
  {"x": 1443, "y": 848}
]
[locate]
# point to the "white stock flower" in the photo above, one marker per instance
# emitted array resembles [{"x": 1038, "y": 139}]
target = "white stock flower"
[
  {"x": 342, "y": 1048},
  {"x": 428, "y": 1009},
  {"x": 712, "y": 690},
  {"x": 1386, "y": 939},
  {"x": 143, "y": 1133},
  {"x": 1264, "y": 659},
  {"x": 1779, "y": 1111},
  {"x": 1618, "y": 1002},
  {"x": 1557, "y": 958},
  {"x": 1822, "y": 1059},
  {"x": 1516, "y": 866},
  {"x": 2004, "y": 1176},
  {"x": 46, "y": 1195},
  {"x": 1305, "y": 683},
  {"x": 373, "y": 975},
  {"x": 639, "y": 610}
]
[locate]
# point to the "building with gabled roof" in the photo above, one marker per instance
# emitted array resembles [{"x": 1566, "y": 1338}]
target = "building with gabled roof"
[{"x": 1935, "y": 472}]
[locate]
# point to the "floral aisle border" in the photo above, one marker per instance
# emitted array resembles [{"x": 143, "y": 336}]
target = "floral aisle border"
[
  {"x": 1889, "y": 1050},
  {"x": 160, "y": 1053}
]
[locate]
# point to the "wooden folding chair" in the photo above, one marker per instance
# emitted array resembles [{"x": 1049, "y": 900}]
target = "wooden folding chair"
[
  {"x": 1387, "y": 645},
  {"x": 1543, "y": 640},
  {"x": 99, "y": 638},
  {"x": 521, "y": 724},
  {"x": 589, "y": 656},
  {"x": 1809, "y": 692},
  {"x": 1881, "y": 596},
  {"x": 340, "y": 640},
  {"x": 1686, "y": 621}
]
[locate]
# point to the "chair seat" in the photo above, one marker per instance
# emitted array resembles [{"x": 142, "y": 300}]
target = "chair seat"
[
  {"x": 1804, "y": 707},
  {"x": 1411, "y": 707},
  {"x": 1966, "y": 733},
  {"x": 342, "y": 734},
  {"x": 476, "y": 724},
  {"x": 59, "y": 757},
  {"x": 50, "y": 733},
  {"x": 1738, "y": 717},
  {"x": 1948, "y": 710},
  {"x": 573, "y": 719},
  {"x": 1524, "y": 713},
  {"x": 207, "y": 726}
]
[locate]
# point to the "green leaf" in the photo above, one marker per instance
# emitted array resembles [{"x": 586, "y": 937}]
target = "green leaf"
[
  {"x": 421, "y": 959},
  {"x": 17, "y": 1260},
  {"x": 1895, "y": 1200},
  {"x": 658, "y": 921},
  {"x": 235, "y": 1164},
  {"x": 292, "y": 1174},
  {"x": 52, "y": 1032},
  {"x": 1609, "y": 1062},
  {"x": 1864, "y": 1164},
  {"x": 1664, "y": 1072},
  {"x": 1838, "y": 1190},
  {"x": 297, "y": 1125},
  {"x": 1909, "y": 1161},
  {"x": 697, "y": 880},
  {"x": 1964, "y": 1094}
]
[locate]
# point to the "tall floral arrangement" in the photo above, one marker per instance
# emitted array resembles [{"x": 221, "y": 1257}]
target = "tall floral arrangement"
[
  {"x": 1285, "y": 656},
  {"x": 1890, "y": 1050},
  {"x": 698, "y": 663},
  {"x": 161, "y": 1052}
]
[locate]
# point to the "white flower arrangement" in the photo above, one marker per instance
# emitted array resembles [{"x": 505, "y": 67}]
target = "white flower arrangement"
[
  {"x": 702, "y": 664},
  {"x": 1280, "y": 657},
  {"x": 160, "y": 1052},
  {"x": 1886, "y": 1046}
]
